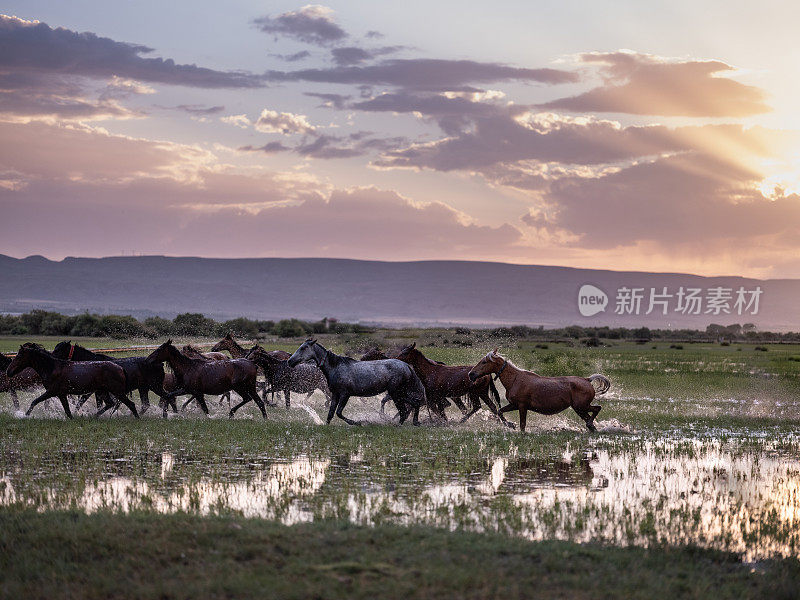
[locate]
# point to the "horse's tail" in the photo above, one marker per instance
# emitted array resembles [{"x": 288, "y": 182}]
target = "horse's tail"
[
  {"x": 605, "y": 383},
  {"x": 493, "y": 390}
]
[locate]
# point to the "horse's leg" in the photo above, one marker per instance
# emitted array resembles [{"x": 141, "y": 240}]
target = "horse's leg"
[
  {"x": 65, "y": 404},
  {"x": 245, "y": 400},
  {"x": 287, "y": 395},
  {"x": 460, "y": 404},
  {"x": 523, "y": 416},
  {"x": 253, "y": 393},
  {"x": 476, "y": 404},
  {"x": 340, "y": 407},
  {"x": 144, "y": 398},
  {"x": 185, "y": 404},
  {"x": 588, "y": 415},
  {"x": 127, "y": 402},
  {"x": 14, "y": 398},
  {"x": 595, "y": 410},
  {"x": 416, "y": 416},
  {"x": 332, "y": 409},
  {"x": 36, "y": 401},
  {"x": 202, "y": 402},
  {"x": 104, "y": 401},
  {"x": 82, "y": 400},
  {"x": 497, "y": 413}
]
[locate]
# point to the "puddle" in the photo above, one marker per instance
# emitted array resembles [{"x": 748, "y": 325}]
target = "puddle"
[{"x": 677, "y": 491}]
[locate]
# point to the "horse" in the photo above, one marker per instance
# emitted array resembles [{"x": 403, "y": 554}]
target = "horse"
[
  {"x": 349, "y": 377},
  {"x": 193, "y": 352},
  {"x": 237, "y": 351},
  {"x": 25, "y": 380},
  {"x": 525, "y": 390},
  {"x": 443, "y": 381},
  {"x": 62, "y": 377},
  {"x": 140, "y": 374},
  {"x": 376, "y": 353},
  {"x": 199, "y": 377},
  {"x": 302, "y": 379}
]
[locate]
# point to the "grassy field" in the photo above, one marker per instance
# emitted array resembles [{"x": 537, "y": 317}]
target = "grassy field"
[
  {"x": 698, "y": 447},
  {"x": 182, "y": 556}
]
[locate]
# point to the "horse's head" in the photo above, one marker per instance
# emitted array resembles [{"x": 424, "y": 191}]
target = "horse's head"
[
  {"x": 62, "y": 350},
  {"x": 491, "y": 363},
  {"x": 219, "y": 346},
  {"x": 254, "y": 352},
  {"x": 162, "y": 353},
  {"x": 24, "y": 359},
  {"x": 409, "y": 353},
  {"x": 305, "y": 353}
]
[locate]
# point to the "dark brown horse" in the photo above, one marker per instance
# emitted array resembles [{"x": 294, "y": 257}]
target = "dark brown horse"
[
  {"x": 443, "y": 381},
  {"x": 140, "y": 374},
  {"x": 200, "y": 377},
  {"x": 62, "y": 377},
  {"x": 525, "y": 390},
  {"x": 302, "y": 379},
  {"x": 193, "y": 352},
  {"x": 24, "y": 381},
  {"x": 237, "y": 351}
]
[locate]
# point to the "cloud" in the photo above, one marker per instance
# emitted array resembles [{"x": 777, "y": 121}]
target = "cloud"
[
  {"x": 312, "y": 24},
  {"x": 352, "y": 55},
  {"x": 199, "y": 109},
  {"x": 240, "y": 121},
  {"x": 34, "y": 47},
  {"x": 425, "y": 73},
  {"x": 324, "y": 146},
  {"x": 336, "y": 101},
  {"x": 689, "y": 199},
  {"x": 75, "y": 153},
  {"x": 271, "y": 121},
  {"x": 643, "y": 84}
]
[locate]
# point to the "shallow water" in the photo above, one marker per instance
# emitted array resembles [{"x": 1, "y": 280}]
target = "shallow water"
[{"x": 730, "y": 495}]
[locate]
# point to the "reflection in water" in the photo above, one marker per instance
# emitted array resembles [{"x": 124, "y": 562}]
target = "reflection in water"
[{"x": 665, "y": 492}]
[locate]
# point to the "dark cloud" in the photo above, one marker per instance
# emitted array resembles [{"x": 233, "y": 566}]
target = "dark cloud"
[
  {"x": 372, "y": 34},
  {"x": 353, "y": 55},
  {"x": 425, "y": 73},
  {"x": 297, "y": 56},
  {"x": 35, "y": 47},
  {"x": 647, "y": 85},
  {"x": 325, "y": 146},
  {"x": 312, "y": 24},
  {"x": 270, "y": 148}
]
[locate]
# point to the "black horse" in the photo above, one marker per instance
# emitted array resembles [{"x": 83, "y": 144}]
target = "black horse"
[
  {"x": 302, "y": 379},
  {"x": 348, "y": 377},
  {"x": 62, "y": 377},
  {"x": 140, "y": 374},
  {"x": 200, "y": 377}
]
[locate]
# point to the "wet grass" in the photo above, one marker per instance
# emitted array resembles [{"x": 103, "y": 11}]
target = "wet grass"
[{"x": 59, "y": 554}]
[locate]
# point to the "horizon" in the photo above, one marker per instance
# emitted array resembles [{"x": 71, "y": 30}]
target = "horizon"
[{"x": 514, "y": 135}]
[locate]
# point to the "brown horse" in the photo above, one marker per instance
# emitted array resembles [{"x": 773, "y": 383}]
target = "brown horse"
[
  {"x": 199, "y": 377},
  {"x": 525, "y": 390},
  {"x": 237, "y": 351},
  {"x": 193, "y": 352},
  {"x": 62, "y": 377},
  {"x": 24, "y": 381},
  {"x": 443, "y": 381}
]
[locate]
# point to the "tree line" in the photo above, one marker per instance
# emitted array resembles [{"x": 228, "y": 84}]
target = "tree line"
[{"x": 41, "y": 322}]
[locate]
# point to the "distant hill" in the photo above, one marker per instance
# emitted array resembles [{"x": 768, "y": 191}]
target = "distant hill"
[{"x": 414, "y": 293}]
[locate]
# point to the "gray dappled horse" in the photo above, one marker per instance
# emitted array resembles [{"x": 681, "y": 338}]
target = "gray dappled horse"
[{"x": 349, "y": 377}]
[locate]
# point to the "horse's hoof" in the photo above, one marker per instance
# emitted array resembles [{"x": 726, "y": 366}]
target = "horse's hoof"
[{"x": 230, "y": 415}]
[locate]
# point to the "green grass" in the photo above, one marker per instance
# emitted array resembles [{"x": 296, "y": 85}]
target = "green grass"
[{"x": 66, "y": 554}]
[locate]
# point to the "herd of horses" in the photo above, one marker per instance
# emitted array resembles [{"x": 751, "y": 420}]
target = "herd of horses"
[{"x": 408, "y": 379}]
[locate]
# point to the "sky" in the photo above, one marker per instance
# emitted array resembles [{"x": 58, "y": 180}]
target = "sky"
[{"x": 617, "y": 135}]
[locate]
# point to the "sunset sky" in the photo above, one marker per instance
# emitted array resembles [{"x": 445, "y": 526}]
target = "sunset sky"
[{"x": 614, "y": 135}]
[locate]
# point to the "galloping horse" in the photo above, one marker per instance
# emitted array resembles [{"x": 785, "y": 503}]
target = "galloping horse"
[
  {"x": 140, "y": 374},
  {"x": 302, "y": 379},
  {"x": 199, "y": 377},
  {"x": 193, "y": 352},
  {"x": 348, "y": 377},
  {"x": 237, "y": 351},
  {"x": 25, "y": 380},
  {"x": 62, "y": 377},
  {"x": 525, "y": 390},
  {"x": 442, "y": 381}
]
